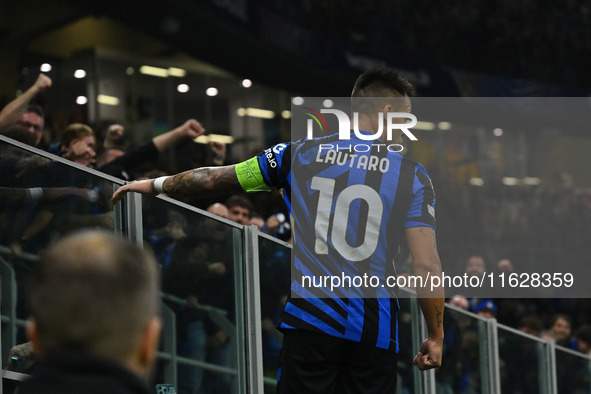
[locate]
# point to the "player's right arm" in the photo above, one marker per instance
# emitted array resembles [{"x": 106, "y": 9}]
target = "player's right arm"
[
  {"x": 201, "y": 182},
  {"x": 425, "y": 261}
]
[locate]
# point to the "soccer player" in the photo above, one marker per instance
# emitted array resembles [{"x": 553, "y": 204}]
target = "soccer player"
[{"x": 344, "y": 340}]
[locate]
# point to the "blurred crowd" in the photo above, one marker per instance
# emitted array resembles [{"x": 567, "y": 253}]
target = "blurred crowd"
[{"x": 522, "y": 38}]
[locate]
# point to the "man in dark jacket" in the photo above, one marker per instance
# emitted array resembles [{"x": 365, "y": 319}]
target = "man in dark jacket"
[{"x": 94, "y": 320}]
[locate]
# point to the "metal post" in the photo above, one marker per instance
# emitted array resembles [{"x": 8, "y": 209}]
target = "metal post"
[
  {"x": 484, "y": 357},
  {"x": 494, "y": 364},
  {"x": 134, "y": 218},
  {"x": 417, "y": 338},
  {"x": 551, "y": 367},
  {"x": 239, "y": 291},
  {"x": 8, "y": 287},
  {"x": 429, "y": 383},
  {"x": 254, "y": 343},
  {"x": 118, "y": 215}
]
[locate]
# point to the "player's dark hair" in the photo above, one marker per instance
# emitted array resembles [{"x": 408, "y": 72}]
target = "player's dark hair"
[{"x": 382, "y": 82}]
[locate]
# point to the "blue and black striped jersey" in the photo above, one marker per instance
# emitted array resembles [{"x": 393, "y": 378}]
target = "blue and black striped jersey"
[{"x": 350, "y": 201}]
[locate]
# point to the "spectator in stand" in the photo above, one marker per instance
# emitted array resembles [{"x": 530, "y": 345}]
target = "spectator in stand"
[
  {"x": 258, "y": 220},
  {"x": 486, "y": 308},
  {"x": 475, "y": 266},
  {"x": 459, "y": 301},
  {"x": 278, "y": 226},
  {"x": 79, "y": 145},
  {"x": 94, "y": 320},
  {"x": 19, "y": 112},
  {"x": 531, "y": 325},
  {"x": 560, "y": 330},
  {"x": 239, "y": 208},
  {"x": 505, "y": 265},
  {"x": 583, "y": 339},
  {"x": 219, "y": 209}
]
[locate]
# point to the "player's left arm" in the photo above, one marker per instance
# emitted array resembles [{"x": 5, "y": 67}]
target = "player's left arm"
[{"x": 426, "y": 263}]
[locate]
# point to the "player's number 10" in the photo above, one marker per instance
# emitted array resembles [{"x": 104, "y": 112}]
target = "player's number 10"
[{"x": 341, "y": 217}]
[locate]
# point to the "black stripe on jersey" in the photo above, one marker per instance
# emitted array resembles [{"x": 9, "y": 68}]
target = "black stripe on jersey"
[
  {"x": 286, "y": 163},
  {"x": 300, "y": 324},
  {"x": 315, "y": 311},
  {"x": 318, "y": 293},
  {"x": 371, "y": 309},
  {"x": 428, "y": 194},
  {"x": 427, "y": 219},
  {"x": 335, "y": 306},
  {"x": 404, "y": 192}
]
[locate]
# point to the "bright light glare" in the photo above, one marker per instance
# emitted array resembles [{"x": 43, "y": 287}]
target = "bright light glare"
[
  {"x": 45, "y": 67},
  {"x": 81, "y": 100},
  {"x": 183, "y": 88},
  {"x": 154, "y": 71},
  {"x": 79, "y": 73},
  {"x": 211, "y": 92},
  {"x": 510, "y": 181},
  {"x": 424, "y": 125},
  {"x": 206, "y": 139},
  {"x": 176, "y": 72},
  {"x": 476, "y": 181},
  {"x": 286, "y": 114},
  {"x": 107, "y": 100},
  {"x": 497, "y": 132},
  {"x": 444, "y": 125},
  {"x": 328, "y": 103},
  {"x": 532, "y": 181},
  {"x": 256, "y": 113},
  {"x": 246, "y": 83}
]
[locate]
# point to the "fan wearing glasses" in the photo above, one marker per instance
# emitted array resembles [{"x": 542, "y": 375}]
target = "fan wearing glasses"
[{"x": 30, "y": 117}]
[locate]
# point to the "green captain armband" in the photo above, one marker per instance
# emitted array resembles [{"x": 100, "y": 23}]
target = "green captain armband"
[{"x": 250, "y": 176}]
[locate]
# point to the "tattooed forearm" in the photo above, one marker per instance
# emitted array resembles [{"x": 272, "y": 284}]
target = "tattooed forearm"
[
  {"x": 204, "y": 182},
  {"x": 439, "y": 315}
]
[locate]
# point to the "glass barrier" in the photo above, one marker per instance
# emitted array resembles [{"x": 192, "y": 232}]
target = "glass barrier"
[
  {"x": 202, "y": 260},
  {"x": 198, "y": 258},
  {"x": 274, "y": 266},
  {"x": 408, "y": 349},
  {"x": 463, "y": 351},
  {"x": 520, "y": 361},
  {"x": 573, "y": 374},
  {"x": 40, "y": 201}
]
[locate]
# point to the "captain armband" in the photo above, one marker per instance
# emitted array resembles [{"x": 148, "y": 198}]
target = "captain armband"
[{"x": 250, "y": 177}]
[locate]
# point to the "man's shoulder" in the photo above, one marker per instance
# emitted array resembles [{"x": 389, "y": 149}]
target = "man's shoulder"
[{"x": 75, "y": 373}]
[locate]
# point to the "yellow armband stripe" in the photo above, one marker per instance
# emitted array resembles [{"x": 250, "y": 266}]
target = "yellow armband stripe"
[{"x": 250, "y": 176}]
